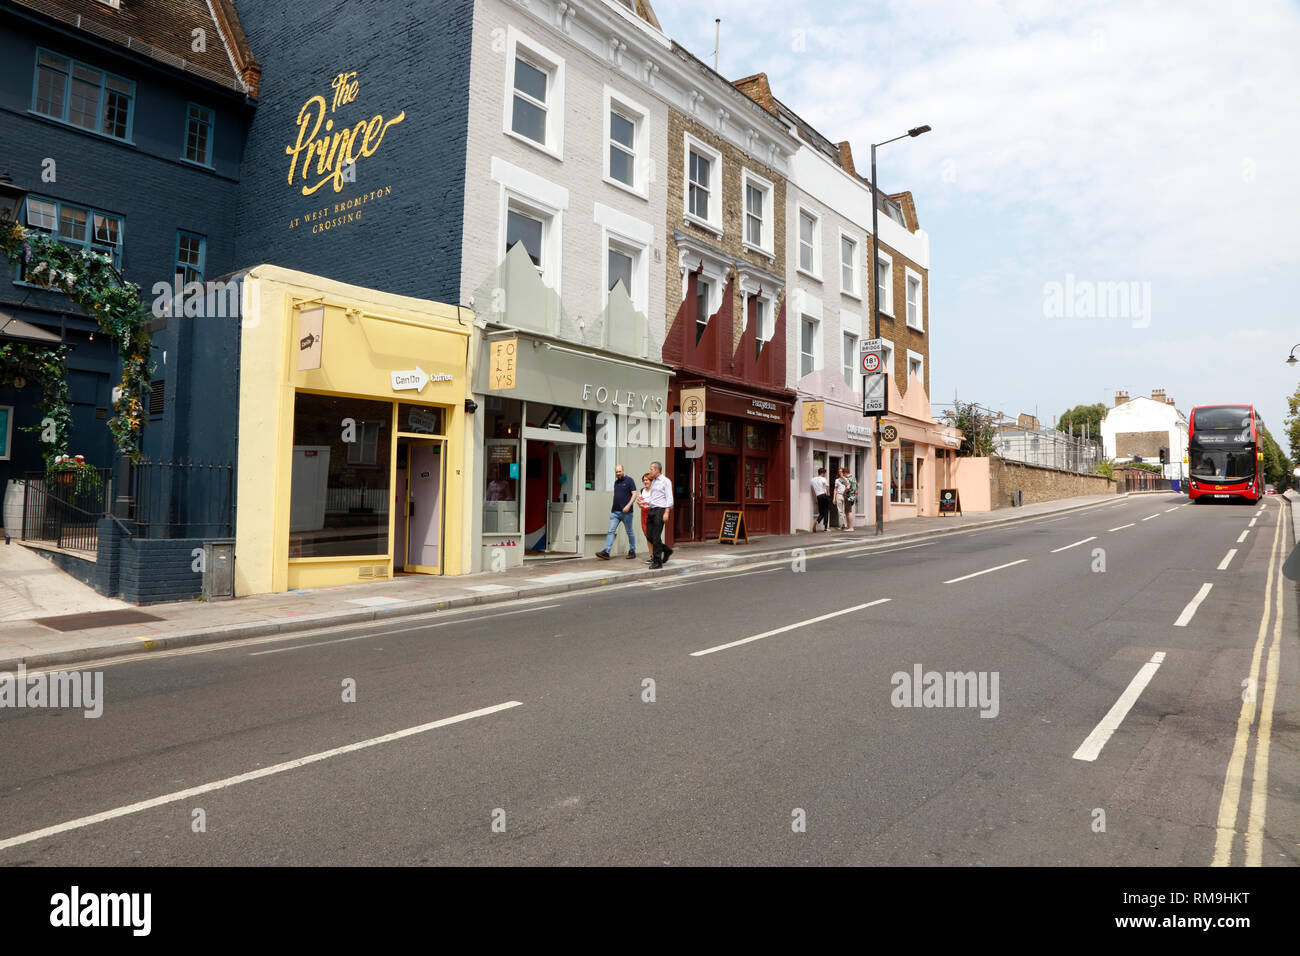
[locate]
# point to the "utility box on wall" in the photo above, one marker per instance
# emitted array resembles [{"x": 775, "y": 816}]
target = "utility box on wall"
[{"x": 218, "y": 570}]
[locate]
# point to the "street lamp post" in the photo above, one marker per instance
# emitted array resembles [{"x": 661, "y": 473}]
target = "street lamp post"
[
  {"x": 1291, "y": 359},
  {"x": 875, "y": 319}
]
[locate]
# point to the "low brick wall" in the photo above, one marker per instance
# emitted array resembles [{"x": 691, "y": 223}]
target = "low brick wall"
[
  {"x": 157, "y": 571},
  {"x": 1037, "y": 483}
]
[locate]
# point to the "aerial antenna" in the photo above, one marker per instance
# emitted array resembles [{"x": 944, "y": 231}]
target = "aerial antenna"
[{"x": 717, "y": 36}]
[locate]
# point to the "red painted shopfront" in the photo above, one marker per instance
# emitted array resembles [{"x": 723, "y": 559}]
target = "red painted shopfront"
[
  {"x": 740, "y": 459},
  {"x": 742, "y": 463}
]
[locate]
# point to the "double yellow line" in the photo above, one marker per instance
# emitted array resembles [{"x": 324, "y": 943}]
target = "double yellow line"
[{"x": 1229, "y": 804}]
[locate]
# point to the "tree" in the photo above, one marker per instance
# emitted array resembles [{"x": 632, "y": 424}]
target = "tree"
[
  {"x": 976, "y": 429},
  {"x": 1292, "y": 422},
  {"x": 1074, "y": 419},
  {"x": 1277, "y": 467}
]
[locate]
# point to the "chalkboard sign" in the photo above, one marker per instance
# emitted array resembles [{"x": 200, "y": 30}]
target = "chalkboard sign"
[
  {"x": 733, "y": 528},
  {"x": 949, "y": 501}
]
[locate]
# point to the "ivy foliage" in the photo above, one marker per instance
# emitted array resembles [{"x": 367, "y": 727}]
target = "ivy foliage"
[{"x": 88, "y": 279}]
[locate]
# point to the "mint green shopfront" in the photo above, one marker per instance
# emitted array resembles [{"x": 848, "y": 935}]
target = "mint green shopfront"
[{"x": 545, "y": 449}]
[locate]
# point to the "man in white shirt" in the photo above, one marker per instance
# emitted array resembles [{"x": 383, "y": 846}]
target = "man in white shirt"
[
  {"x": 661, "y": 506},
  {"x": 821, "y": 489}
]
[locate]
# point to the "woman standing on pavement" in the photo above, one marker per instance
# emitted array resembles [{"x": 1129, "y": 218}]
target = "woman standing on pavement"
[{"x": 643, "y": 502}]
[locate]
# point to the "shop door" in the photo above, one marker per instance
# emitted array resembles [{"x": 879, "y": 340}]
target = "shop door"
[
  {"x": 564, "y": 498},
  {"x": 424, "y": 507},
  {"x": 685, "y": 500}
]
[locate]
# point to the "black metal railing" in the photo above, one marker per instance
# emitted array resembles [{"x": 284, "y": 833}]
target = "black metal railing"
[
  {"x": 183, "y": 499},
  {"x": 55, "y": 512}
]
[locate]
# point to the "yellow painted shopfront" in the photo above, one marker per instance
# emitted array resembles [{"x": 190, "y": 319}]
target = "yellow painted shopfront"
[{"x": 351, "y": 449}]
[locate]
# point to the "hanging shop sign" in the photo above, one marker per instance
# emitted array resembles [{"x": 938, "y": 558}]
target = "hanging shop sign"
[
  {"x": 814, "y": 416},
  {"x": 502, "y": 356},
  {"x": 693, "y": 407},
  {"x": 311, "y": 329}
]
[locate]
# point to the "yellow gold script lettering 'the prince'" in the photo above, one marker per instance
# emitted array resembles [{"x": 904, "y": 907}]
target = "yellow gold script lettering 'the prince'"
[{"x": 344, "y": 147}]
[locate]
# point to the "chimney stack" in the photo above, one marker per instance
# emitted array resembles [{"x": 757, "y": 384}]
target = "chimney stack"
[
  {"x": 1120, "y": 398},
  {"x": 1158, "y": 395}
]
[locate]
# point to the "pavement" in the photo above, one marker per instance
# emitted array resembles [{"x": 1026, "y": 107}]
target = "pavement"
[
  {"x": 31, "y": 586},
  {"x": 24, "y": 641}
]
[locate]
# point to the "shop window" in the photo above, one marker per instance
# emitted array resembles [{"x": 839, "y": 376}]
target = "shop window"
[
  {"x": 755, "y": 438},
  {"x": 340, "y": 492},
  {"x": 720, "y": 433},
  {"x": 902, "y": 487},
  {"x": 726, "y": 480},
  {"x": 755, "y": 479},
  {"x": 502, "y": 464},
  {"x": 419, "y": 419},
  {"x": 602, "y": 449},
  {"x": 556, "y": 417}
]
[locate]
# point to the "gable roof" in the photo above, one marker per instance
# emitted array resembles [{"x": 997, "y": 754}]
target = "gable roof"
[{"x": 164, "y": 30}]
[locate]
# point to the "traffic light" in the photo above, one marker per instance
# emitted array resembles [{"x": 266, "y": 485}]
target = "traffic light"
[{"x": 1164, "y": 456}]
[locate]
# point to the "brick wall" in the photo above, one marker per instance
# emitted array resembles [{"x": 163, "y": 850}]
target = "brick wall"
[
  {"x": 1037, "y": 483},
  {"x": 733, "y": 162},
  {"x": 157, "y": 571},
  {"x": 410, "y": 57}
]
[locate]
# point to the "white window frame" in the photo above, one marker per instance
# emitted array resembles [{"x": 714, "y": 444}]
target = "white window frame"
[
  {"x": 766, "y": 230},
  {"x": 853, "y": 369},
  {"x": 908, "y": 275},
  {"x": 886, "y": 306},
  {"x": 751, "y": 287},
  {"x": 616, "y": 102},
  {"x": 714, "y": 221},
  {"x": 631, "y": 236},
  {"x": 800, "y": 211},
  {"x": 818, "y": 353},
  {"x": 520, "y": 45},
  {"x": 855, "y": 268},
  {"x": 920, "y": 359},
  {"x": 538, "y": 197}
]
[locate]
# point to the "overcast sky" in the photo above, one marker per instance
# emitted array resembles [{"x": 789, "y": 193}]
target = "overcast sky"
[{"x": 1149, "y": 143}]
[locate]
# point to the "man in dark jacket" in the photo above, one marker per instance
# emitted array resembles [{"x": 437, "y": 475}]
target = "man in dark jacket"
[{"x": 621, "y": 513}]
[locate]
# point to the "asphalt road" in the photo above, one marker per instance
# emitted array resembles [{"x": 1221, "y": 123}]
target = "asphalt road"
[{"x": 790, "y": 748}]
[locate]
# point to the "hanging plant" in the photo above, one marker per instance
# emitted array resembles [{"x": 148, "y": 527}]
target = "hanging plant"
[
  {"x": 74, "y": 473},
  {"x": 89, "y": 279}
]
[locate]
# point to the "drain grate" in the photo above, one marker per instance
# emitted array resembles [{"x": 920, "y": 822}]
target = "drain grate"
[{"x": 84, "y": 622}]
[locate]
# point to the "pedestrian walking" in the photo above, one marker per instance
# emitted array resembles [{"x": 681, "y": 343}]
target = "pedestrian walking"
[
  {"x": 846, "y": 489},
  {"x": 660, "y": 500},
  {"x": 620, "y": 513},
  {"x": 643, "y": 503},
  {"x": 822, "y": 492}
]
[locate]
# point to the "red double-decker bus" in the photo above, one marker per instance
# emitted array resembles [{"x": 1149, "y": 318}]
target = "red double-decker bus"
[{"x": 1225, "y": 453}]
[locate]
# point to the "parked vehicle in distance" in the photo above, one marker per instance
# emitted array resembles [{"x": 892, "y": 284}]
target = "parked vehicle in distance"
[
  {"x": 1270, "y": 490},
  {"x": 1225, "y": 453}
]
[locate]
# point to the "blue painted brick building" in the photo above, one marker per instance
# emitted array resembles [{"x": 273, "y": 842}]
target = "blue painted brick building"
[{"x": 127, "y": 123}]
